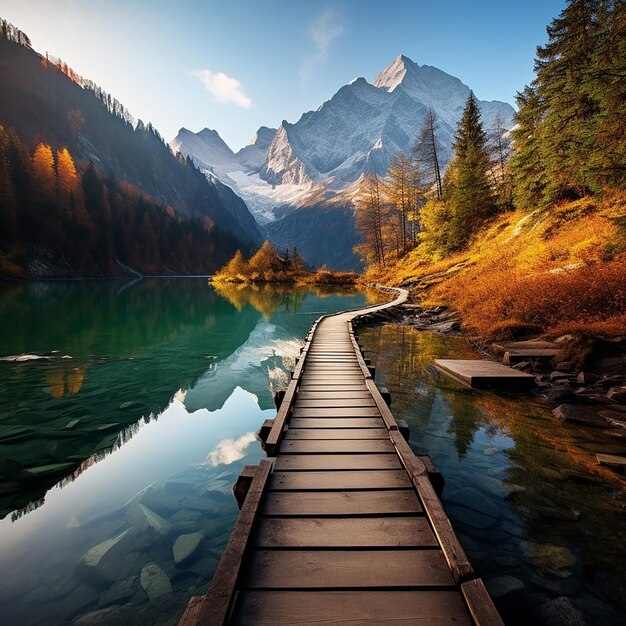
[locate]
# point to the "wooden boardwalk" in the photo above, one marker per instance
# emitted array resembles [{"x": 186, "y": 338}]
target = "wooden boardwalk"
[{"x": 345, "y": 526}]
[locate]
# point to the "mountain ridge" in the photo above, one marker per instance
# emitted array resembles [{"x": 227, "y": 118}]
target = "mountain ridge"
[{"x": 314, "y": 161}]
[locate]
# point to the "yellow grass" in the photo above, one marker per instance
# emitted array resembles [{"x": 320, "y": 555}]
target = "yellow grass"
[{"x": 557, "y": 272}]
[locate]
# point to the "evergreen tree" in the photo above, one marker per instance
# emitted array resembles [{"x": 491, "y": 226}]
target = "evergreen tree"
[
  {"x": 606, "y": 163},
  {"x": 467, "y": 189},
  {"x": 296, "y": 262},
  {"x": 563, "y": 67},
  {"x": 527, "y": 169}
]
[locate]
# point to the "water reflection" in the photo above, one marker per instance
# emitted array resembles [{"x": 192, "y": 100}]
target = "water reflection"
[
  {"x": 537, "y": 516},
  {"x": 144, "y": 430}
]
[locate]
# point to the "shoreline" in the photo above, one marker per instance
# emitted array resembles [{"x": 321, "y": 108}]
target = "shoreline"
[{"x": 586, "y": 389}]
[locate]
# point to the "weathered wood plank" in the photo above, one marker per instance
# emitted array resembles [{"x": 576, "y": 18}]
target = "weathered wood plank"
[
  {"x": 340, "y": 569},
  {"x": 480, "y": 603},
  {"x": 334, "y": 395},
  {"x": 351, "y": 532},
  {"x": 337, "y": 446},
  {"x": 356, "y": 608},
  {"x": 455, "y": 555},
  {"x": 339, "y": 480},
  {"x": 332, "y": 386},
  {"x": 326, "y": 403},
  {"x": 294, "y": 433},
  {"x": 337, "y": 412},
  {"x": 307, "y": 462},
  {"x": 215, "y": 606},
  {"x": 336, "y": 422},
  {"x": 485, "y": 374},
  {"x": 340, "y": 503}
]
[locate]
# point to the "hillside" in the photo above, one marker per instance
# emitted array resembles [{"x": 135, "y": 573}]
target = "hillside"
[
  {"x": 557, "y": 272},
  {"x": 45, "y": 103}
]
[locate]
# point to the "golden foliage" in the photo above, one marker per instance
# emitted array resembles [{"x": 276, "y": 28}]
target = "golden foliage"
[{"x": 558, "y": 271}]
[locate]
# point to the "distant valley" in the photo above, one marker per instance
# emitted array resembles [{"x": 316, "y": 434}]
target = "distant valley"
[{"x": 300, "y": 180}]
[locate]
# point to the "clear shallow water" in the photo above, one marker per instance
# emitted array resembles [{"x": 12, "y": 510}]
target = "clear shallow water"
[
  {"x": 538, "y": 517},
  {"x": 141, "y": 434}
]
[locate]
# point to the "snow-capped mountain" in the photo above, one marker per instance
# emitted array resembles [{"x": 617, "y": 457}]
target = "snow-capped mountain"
[{"x": 317, "y": 161}]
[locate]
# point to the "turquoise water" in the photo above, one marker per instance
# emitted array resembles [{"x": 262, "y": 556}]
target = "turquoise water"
[
  {"x": 538, "y": 518},
  {"x": 129, "y": 434}
]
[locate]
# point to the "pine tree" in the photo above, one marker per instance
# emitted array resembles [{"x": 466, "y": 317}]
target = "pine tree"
[
  {"x": 297, "y": 262},
  {"x": 467, "y": 189},
  {"x": 8, "y": 201},
  {"x": 563, "y": 68},
  {"x": 606, "y": 163},
  {"x": 527, "y": 169}
]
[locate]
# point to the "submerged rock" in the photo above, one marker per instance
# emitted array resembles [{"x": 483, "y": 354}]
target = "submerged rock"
[
  {"x": 155, "y": 582},
  {"x": 105, "y": 560},
  {"x": 186, "y": 546},
  {"x": 549, "y": 557},
  {"x": 579, "y": 415},
  {"x": 474, "y": 500},
  {"x": 143, "y": 518},
  {"x": 560, "y": 611},
  {"x": 504, "y": 586},
  {"x": 119, "y": 592}
]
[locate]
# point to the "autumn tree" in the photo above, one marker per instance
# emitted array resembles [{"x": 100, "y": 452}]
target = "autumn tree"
[
  {"x": 43, "y": 168},
  {"x": 264, "y": 262},
  {"x": 371, "y": 216},
  {"x": 236, "y": 268}
]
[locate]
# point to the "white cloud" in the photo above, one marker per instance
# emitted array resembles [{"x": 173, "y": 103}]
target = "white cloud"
[
  {"x": 324, "y": 30},
  {"x": 224, "y": 88},
  {"x": 228, "y": 451}
]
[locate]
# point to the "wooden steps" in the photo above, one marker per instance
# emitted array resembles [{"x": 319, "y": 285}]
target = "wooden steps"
[{"x": 347, "y": 527}]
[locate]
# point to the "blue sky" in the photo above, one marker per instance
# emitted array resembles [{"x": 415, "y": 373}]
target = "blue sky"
[{"x": 235, "y": 65}]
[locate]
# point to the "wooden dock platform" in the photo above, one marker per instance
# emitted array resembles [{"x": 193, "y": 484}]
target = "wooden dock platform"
[
  {"x": 486, "y": 374},
  {"x": 345, "y": 525}
]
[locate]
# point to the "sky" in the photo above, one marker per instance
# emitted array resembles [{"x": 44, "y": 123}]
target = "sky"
[{"x": 235, "y": 65}]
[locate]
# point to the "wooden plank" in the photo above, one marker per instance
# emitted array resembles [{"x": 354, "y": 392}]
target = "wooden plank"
[
  {"x": 611, "y": 460},
  {"x": 337, "y": 412},
  {"x": 383, "y": 408},
  {"x": 337, "y": 446},
  {"x": 307, "y": 462},
  {"x": 341, "y": 569},
  {"x": 339, "y": 480},
  {"x": 455, "y": 555},
  {"x": 321, "y": 402},
  {"x": 335, "y": 433},
  {"x": 340, "y": 503},
  {"x": 480, "y": 603},
  {"x": 356, "y": 608},
  {"x": 276, "y": 432},
  {"x": 336, "y": 422},
  {"x": 334, "y": 395},
  {"x": 485, "y": 374},
  {"x": 330, "y": 386},
  {"x": 350, "y": 532},
  {"x": 215, "y": 605}
]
